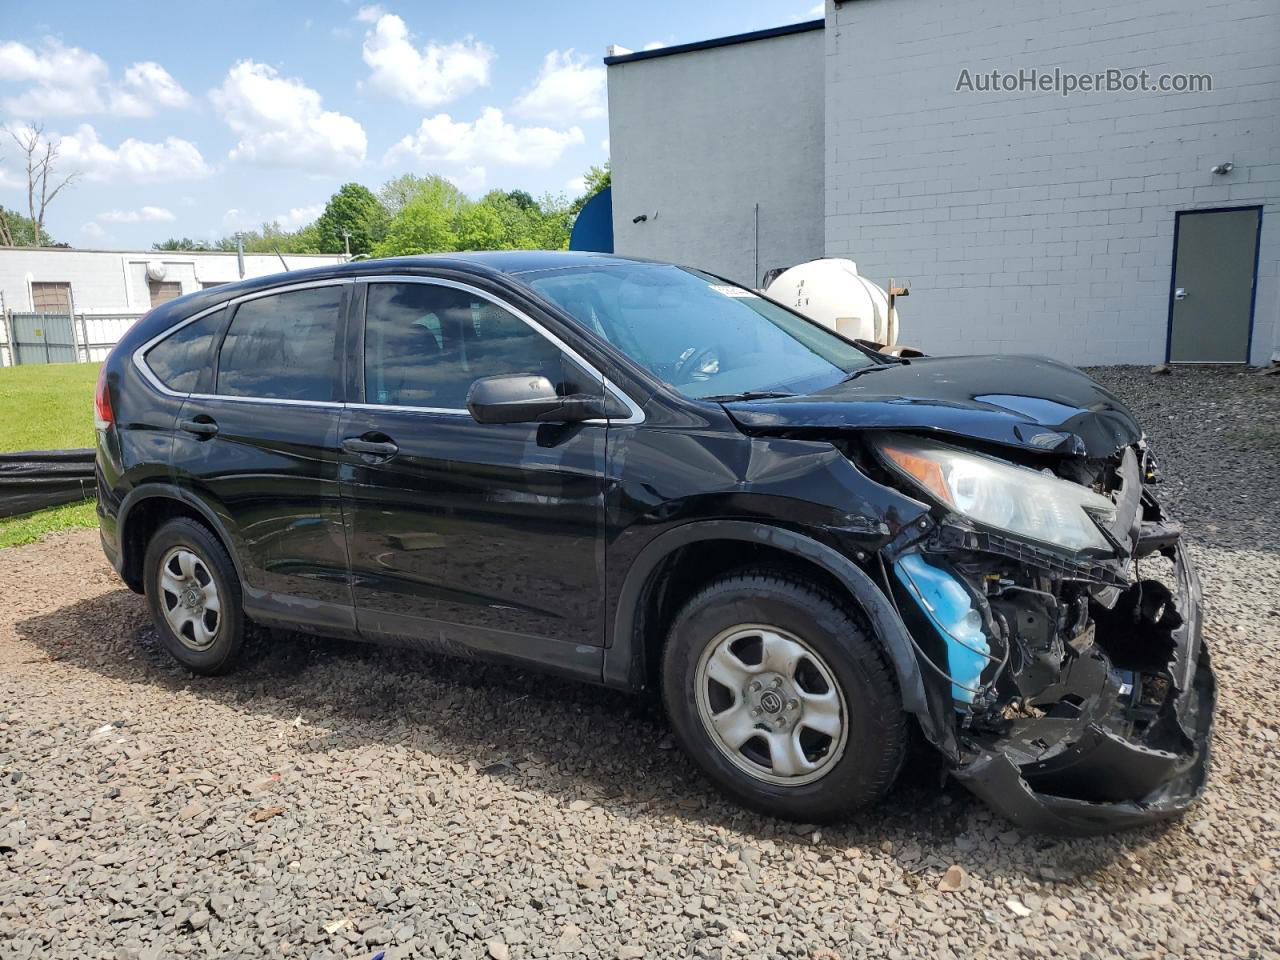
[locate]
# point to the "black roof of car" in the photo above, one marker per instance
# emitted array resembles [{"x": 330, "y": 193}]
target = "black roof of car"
[
  {"x": 509, "y": 262},
  {"x": 518, "y": 261}
]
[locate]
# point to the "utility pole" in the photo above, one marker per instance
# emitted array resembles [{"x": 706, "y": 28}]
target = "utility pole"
[
  {"x": 346, "y": 242},
  {"x": 240, "y": 253}
]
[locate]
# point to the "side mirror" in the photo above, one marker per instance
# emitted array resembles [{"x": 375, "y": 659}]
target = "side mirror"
[{"x": 524, "y": 398}]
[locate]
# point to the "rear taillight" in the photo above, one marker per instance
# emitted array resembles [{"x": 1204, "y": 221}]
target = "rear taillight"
[{"x": 103, "y": 417}]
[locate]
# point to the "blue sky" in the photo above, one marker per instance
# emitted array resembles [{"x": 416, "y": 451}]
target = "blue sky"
[{"x": 197, "y": 120}]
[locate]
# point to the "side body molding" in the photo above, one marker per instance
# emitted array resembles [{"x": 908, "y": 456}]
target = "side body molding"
[{"x": 625, "y": 656}]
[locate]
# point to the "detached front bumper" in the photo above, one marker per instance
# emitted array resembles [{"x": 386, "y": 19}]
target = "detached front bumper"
[{"x": 1099, "y": 771}]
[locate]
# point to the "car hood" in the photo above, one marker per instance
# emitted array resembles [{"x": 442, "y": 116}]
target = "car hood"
[{"x": 1029, "y": 402}]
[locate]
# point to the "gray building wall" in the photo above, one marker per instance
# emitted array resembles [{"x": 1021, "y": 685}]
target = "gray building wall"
[
  {"x": 1029, "y": 222},
  {"x": 696, "y": 139}
]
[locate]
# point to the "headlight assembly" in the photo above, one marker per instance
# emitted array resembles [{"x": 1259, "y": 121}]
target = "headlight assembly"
[{"x": 1016, "y": 499}]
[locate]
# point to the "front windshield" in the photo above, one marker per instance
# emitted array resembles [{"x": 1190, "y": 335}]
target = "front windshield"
[{"x": 704, "y": 337}]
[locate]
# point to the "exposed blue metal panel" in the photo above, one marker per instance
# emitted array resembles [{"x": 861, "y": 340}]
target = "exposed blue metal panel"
[{"x": 593, "y": 230}]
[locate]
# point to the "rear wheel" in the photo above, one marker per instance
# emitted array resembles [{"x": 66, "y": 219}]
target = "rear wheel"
[
  {"x": 194, "y": 596},
  {"x": 782, "y": 699}
]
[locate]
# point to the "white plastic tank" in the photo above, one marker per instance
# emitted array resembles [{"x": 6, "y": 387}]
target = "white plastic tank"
[{"x": 831, "y": 292}]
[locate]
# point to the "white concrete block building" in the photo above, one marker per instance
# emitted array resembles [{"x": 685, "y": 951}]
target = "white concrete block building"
[
  {"x": 105, "y": 291},
  {"x": 1104, "y": 226},
  {"x": 133, "y": 281}
]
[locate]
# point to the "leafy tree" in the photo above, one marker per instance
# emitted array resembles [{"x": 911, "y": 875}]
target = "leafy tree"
[
  {"x": 428, "y": 221},
  {"x": 353, "y": 211},
  {"x": 18, "y": 231},
  {"x": 521, "y": 199},
  {"x": 478, "y": 227},
  {"x": 185, "y": 243},
  {"x": 271, "y": 238},
  {"x": 556, "y": 222},
  {"x": 596, "y": 179},
  {"x": 396, "y": 193}
]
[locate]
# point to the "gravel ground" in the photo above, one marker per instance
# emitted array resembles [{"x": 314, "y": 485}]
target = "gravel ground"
[{"x": 334, "y": 800}]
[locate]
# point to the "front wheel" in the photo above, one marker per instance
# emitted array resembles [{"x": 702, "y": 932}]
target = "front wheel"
[
  {"x": 194, "y": 595},
  {"x": 782, "y": 699}
]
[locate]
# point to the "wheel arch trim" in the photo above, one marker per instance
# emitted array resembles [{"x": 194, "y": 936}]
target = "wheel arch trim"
[
  {"x": 169, "y": 491},
  {"x": 625, "y": 653}
]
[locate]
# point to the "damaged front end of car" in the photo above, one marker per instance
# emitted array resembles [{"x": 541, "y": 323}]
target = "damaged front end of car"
[{"x": 1057, "y": 619}]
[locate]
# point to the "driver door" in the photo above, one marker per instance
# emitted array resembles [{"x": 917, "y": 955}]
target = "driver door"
[{"x": 485, "y": 536}]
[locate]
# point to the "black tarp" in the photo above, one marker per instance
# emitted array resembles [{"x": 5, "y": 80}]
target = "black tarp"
[{"x": 44, "y": 478}]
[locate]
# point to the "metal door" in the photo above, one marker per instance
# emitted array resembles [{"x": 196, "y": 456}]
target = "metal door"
[
  {"x": 1215, "y": 267},
  {"x": 43, "y": 338}
]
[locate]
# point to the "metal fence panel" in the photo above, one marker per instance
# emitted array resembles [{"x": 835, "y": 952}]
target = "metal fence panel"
[
  {"x": 99, "y": 333},
  {"x": 59, "y": 338},
  {"x": 43, "y": 338}
]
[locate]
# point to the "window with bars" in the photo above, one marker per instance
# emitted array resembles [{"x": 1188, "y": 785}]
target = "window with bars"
[{"x": 49, "y": 297}]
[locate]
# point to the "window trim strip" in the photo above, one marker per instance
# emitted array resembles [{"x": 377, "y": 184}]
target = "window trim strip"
[
  {"x": 139, "y": 355},
  {"x": 636, "y": 414}
]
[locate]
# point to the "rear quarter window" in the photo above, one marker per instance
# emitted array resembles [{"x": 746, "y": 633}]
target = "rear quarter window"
[{"x": 183, "y": 361}]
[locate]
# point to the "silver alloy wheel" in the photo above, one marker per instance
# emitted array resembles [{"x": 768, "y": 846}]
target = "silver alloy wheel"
[
  {"x": 189, "y": 598},
  {"x": 771, "y": 704}
]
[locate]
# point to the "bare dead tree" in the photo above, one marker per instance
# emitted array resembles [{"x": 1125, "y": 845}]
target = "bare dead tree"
[
  {"x": 41, "y": 159},
  {"x": 6, "y": 232}
]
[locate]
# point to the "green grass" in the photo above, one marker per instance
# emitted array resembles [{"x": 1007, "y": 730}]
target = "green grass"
[
  {"x": 46, "y": 408},
  {"x": 30, "y": 527}
]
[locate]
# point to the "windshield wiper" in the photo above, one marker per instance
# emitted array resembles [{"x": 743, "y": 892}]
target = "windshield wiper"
[
  {"x": 750, "y": 395},
  {"x": 869, "y": 369}
]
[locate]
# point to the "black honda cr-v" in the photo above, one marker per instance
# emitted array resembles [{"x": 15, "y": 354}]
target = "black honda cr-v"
[{"x": 644, "y": 476}]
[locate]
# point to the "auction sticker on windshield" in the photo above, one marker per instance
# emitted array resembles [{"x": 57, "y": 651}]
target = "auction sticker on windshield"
[{"x": 729, "y": 291}]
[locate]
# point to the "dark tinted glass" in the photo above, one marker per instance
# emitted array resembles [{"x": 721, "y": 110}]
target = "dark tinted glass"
[
  {"x": 180, "y": 359},
  {"x": 283, "y": 346},
  {"x": 425, "y": 345}
]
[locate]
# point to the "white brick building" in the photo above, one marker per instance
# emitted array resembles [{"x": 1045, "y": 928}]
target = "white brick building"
[
  {"x": 1025, "y": 220},
  {"x": 108, "y": 289}
]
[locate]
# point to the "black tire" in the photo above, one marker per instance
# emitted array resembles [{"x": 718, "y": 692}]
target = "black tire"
[
  {"x": 219, "y": 656},
  {"x": 876, "y": 739}
]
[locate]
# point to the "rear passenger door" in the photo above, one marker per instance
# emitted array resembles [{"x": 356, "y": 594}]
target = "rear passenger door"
[
  {"x": 258, "y": 443},
  {"x": 484, "y": 535}
]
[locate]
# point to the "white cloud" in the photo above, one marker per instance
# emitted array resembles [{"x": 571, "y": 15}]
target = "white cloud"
[
  {"x": 281, "y": 121},
  {"x": 490, "y": 138},
  {"x": 235, "y": 219},
  {"x": 567, "y": 88},
  {"x": 604, "y": 144},
  {"x": 92, "y": 230},
  {"x": 68, "y": 81},
  {"x": 147, "y": 85},
  {"x": 370, "y": 14},
  {"x": 138, "y": 161},
  {"x": 818, "y": 10},
  {"x": 653, "y": 45},
  {"x": 144, "y": 215},
  {"x": 576, "y": 186},
  {"x": 299, "y": 216},
  {"x": 428, "y": 77}
]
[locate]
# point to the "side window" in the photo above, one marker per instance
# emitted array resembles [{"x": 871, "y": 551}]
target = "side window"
[
  {"x": 283, "y": 346},
  {"x": 426, "y": 344},
  {"x": 184, "y": 360}
]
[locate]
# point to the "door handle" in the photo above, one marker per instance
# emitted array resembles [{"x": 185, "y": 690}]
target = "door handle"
[
  {"x": 1180, "y": 293},
  {"x": 374, "y": 448},
  {"x": 201, "y": 428}
]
